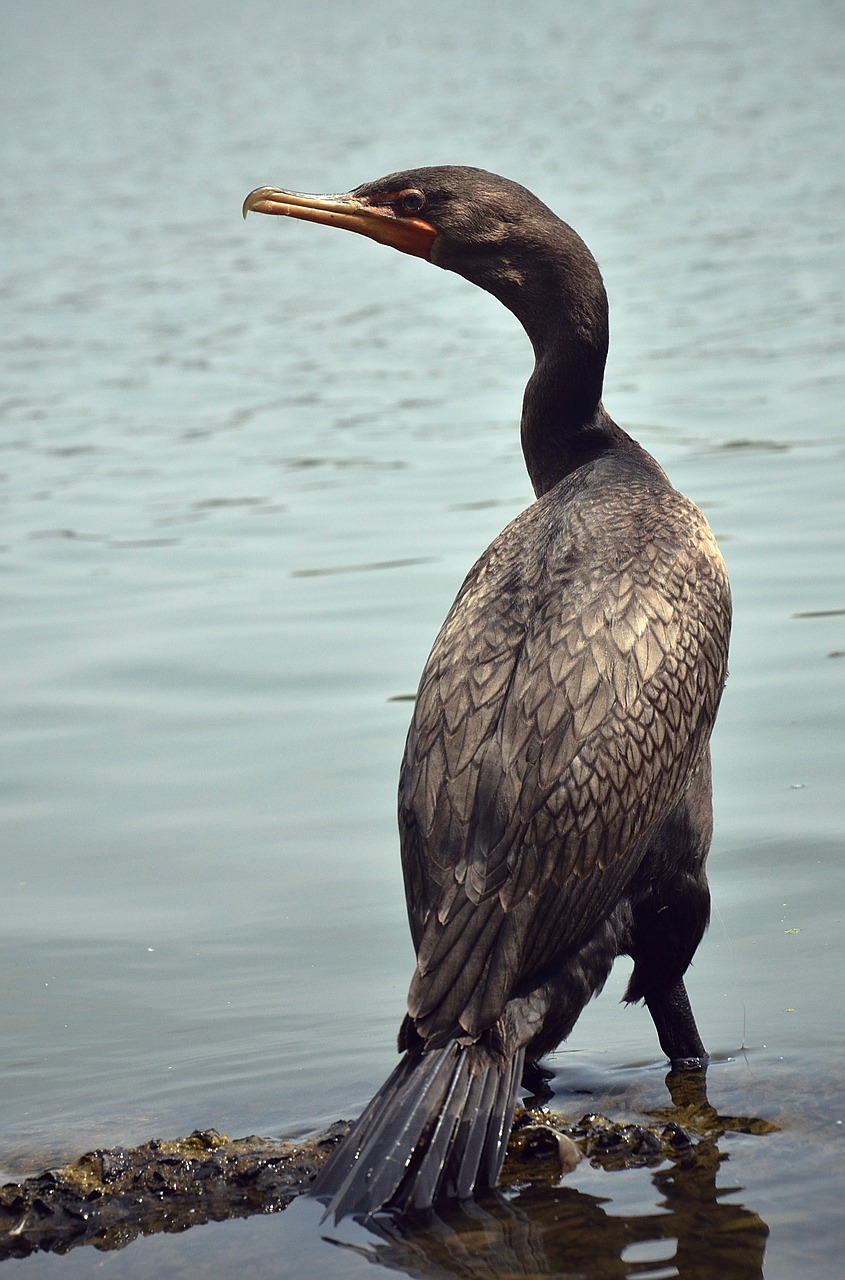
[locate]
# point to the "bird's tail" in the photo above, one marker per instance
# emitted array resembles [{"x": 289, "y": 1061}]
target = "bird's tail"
[{"x": 437, "y": 1129}]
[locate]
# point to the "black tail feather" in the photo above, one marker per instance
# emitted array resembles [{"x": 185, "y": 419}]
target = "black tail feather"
[
  {"x": 472, "y": 1137},
  {"x": 437, "y": 1129}
]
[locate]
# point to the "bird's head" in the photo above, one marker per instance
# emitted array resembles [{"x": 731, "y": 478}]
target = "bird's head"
[
  {"x": 492, "y": 231},
  {"x": 463, "y": 209},
  {"x": 499, "y": 236}
]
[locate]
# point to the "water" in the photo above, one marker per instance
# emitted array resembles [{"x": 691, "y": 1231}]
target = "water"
[{"x": 244, "y": 469}]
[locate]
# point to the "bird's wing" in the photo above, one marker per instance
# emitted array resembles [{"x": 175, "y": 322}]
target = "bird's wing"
[{"x": 563, "y": 707}]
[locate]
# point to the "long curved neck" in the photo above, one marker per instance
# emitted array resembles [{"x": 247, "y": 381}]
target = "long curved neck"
[
  {"x": 563, "y": 423},
  {"x": 550, "y": 281},
  {"x": 543, "y": 272}
]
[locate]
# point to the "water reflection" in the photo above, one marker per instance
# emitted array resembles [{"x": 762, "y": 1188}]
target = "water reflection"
[
  {"x": 684, "y": 1224},
  {"x": 561, "y": 1231}
]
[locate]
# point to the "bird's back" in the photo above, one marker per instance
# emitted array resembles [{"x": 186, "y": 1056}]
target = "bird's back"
[{"x": 566, "y": 701}]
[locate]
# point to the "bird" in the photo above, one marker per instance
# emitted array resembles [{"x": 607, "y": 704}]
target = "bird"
[{"x": 555, "y": 796}]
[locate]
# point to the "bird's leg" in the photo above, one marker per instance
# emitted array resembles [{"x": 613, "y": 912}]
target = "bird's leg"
[
  {"x": 536, "y": 1080},
  {"x": 676, "y": 1029},
  {"x": 688, "y": 1091}
]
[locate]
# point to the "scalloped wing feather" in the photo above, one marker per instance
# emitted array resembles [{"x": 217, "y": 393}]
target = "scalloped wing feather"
[{"x": 565, "y": 703}]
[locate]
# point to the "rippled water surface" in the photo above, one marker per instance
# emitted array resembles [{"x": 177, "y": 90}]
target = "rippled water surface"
[{"x": 244, "y": 469}]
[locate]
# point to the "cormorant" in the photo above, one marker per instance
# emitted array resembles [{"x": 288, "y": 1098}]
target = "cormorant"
[{"x": 555, "y": 794}]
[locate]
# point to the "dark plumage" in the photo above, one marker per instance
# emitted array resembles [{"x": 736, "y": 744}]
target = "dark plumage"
[{"x": 554, "y": 800}]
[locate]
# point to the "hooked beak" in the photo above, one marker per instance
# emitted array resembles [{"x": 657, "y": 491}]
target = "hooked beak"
[{"x": 378, "y": 222}]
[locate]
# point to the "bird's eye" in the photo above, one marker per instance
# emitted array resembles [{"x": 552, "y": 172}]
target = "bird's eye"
[{"x": 411, "y": 201}]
